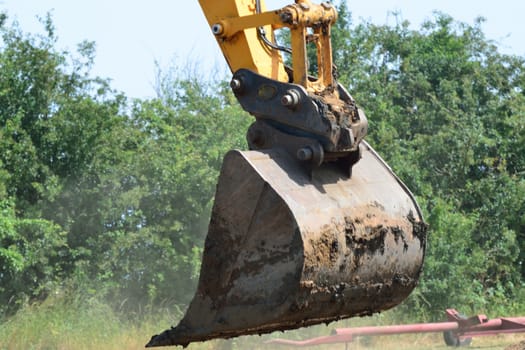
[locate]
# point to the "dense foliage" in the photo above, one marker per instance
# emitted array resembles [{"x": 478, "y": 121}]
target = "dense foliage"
[
  {"x": 447, "y": 111},
  {"x": 111, "y": 197}
]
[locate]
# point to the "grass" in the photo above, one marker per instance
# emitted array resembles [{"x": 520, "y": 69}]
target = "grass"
[
  {"x": 73, "y": 324},
  {"x": 60, "y": 324}
]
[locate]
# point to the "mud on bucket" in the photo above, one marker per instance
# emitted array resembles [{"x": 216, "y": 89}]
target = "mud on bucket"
[{"x": 286, "y": 250}]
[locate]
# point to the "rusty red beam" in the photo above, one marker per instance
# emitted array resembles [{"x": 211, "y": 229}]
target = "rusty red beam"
[
  {"x": 499, "y": 326},
  {"x": 480, "y": 325},
  {"x": 457, "y": 325},
  {"x": 346, "y": 335}
]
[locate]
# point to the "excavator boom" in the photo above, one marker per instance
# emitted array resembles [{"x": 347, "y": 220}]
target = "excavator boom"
[{"x": 310, "y": 225}]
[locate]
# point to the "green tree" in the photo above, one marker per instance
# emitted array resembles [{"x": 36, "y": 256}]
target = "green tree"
[
  {"x": 182, "y": 137},
  {"x": 52, "y": 119},
  {"x": 33, "y": 254},
  {"x": 446, "y": 111},
  {"x": 129, "y": 184}
]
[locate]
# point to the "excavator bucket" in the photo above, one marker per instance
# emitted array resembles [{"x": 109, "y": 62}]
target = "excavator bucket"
[{"x": 289, "y": 247}]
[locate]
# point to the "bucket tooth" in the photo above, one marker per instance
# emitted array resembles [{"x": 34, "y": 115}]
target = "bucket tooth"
[{"x": 287, "y": 249}]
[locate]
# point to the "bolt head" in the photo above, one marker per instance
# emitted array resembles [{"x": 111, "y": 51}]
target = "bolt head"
[
  {"x": 236, "y": 84},
  {"x": 291, "y": 99},
  {"x": 287, "y": 100},
  {"x": 305, "y": 153},
  {"x": 286, "y": 17},
  {"x": 217, "y": 29}
]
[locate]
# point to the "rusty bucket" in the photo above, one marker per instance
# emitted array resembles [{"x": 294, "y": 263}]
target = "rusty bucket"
[{"x": 287, "y": 248}]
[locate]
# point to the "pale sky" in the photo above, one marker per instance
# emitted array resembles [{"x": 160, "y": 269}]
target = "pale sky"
[{"x": 131, "y": 35}]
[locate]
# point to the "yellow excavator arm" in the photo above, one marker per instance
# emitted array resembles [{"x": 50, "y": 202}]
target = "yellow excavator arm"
[
  {"x": 287, "y": 99},
  {"x": 310, "y": 225},
  {"x": 235, "y": 25},
  {"x": 245, "y": 33}
]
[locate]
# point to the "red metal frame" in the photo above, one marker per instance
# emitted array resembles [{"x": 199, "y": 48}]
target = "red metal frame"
[{"x": 458, "y": 328}]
